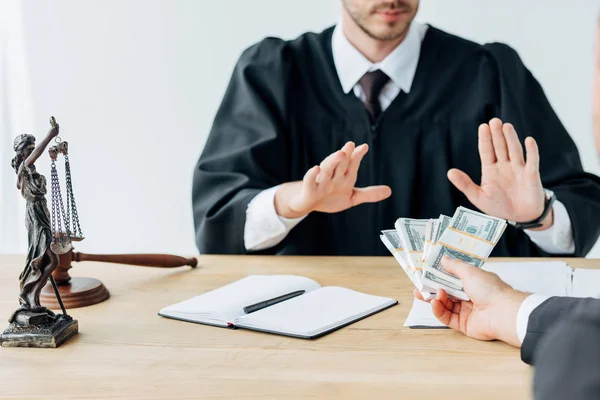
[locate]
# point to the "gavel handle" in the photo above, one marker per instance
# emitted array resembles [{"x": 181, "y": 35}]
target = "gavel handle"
[{"x": 144, "y": 260}]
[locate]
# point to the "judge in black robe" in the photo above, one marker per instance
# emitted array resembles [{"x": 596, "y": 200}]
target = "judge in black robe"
[{"x": 284, "y": 111}]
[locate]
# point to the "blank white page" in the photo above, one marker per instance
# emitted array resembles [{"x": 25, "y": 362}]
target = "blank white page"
[
  {"x": 229, "y": 301},
  {"x": 552, "y": 278},
  {"x": 586, "y": 283},
  {"x": 315, "y": 312},
  {"x": 421, "y": 316}
]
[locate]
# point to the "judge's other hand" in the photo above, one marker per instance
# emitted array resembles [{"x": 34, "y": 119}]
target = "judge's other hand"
[
  {"x": 510, "y": 187},
  {"x": 490, "y": 314},
  {"x": 329, "y": 187}
]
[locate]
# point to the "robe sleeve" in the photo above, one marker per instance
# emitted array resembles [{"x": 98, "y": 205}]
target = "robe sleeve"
[
  {"x": 523, "y": 103},
  {"x": 246, "y": 149}
]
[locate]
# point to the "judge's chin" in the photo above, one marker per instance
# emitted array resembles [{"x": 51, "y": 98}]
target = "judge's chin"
[{"x": 381, "y": 20}]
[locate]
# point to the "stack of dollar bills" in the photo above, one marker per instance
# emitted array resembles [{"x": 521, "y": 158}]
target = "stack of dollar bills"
[{"x": 419, "y": 245}]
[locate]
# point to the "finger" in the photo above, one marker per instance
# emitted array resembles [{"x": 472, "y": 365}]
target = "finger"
[
  {"x": 340, "y": 170},
  {"x": 445, "y": 316},
  {"x": 443, "y": 297},
  {"x": 458, "y": 268},
  {"x": 465, "y": 184},
  {"x": 498, "y": 140},
  {"x": 515, "y": 150},
  {"x": 328, "y": 166},
  {"x": 357, "y": 156},
  {"x": 310, "y": 178},
  {"x": 371, "y": 194},
  {"x": 418, "y": 295},
  {"x": 533, "y": 155},
  {"x": 456, "y": 307},
  {"x": 486, "y": 147}
]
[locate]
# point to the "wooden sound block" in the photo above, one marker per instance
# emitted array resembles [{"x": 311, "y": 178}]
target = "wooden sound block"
[{"x": 78, "y": 292}]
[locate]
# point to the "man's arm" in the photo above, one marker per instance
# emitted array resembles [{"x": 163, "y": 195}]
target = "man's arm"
[
  {"x": 264, "y": 228},
  {"x": 494, "y": 309},
  {"x": 546, "y": 316},
  {"x": 245, "y": 152},
  {"x": 328, "y": 187},
  {"x": 596, "y": 90},
  {"x": 567, "y": 357},
  {"x": 523, "y": 103},
  {"x": 557, "y": 239}
]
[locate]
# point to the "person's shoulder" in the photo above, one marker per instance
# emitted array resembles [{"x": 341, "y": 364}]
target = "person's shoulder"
[
  {"x": 271, "y": 49},
  {"x": 460, "y": 47}
]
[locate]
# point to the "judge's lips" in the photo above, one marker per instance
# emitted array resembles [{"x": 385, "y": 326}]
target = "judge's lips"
[{"x": 392, "y": 13}]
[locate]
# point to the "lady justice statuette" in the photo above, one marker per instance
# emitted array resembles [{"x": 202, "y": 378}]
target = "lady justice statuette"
[{"x": 32, "y": 325}]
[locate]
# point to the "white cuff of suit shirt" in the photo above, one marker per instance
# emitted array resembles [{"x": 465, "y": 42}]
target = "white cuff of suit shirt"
[
  {"x": 264, "y": 228},
  {"x": 527, "y": 307},
  {"x": 558, "y": 239}
]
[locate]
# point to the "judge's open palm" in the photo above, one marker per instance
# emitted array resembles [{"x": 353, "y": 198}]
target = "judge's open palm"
[
  {"x": 510, "y": 187},
  {"x": 329, "y": 187}
]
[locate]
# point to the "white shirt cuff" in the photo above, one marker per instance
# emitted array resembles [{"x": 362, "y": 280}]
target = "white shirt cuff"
[
  {"x": 527, "y": 307},
  {"x": 558, "y": 239},
  {"x": 264, "y": 228}
]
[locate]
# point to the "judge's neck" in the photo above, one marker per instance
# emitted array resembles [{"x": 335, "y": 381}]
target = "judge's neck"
[{"x": 374, "y": 50}]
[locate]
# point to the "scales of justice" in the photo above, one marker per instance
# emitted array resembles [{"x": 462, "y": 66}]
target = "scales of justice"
[{"x": 45, "y": 282}]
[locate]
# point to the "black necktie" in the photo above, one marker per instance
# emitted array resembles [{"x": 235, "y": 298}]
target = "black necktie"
[{"x": 372, "y": 83}]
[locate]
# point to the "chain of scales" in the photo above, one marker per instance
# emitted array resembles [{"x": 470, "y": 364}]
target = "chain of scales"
[{"x": 65, "y": 225}]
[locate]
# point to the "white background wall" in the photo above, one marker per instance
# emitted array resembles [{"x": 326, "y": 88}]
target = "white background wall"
[{"x": 134, "y": 85}]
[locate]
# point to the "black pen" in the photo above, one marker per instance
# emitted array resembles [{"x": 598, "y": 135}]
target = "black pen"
[{"x": 263, "y": 304}]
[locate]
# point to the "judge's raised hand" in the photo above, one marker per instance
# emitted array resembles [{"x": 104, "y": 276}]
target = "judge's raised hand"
[
  {"x": 490, "y": 314},
  {"x": 510, "y": 187},
  {"x": 329, "y": 187}
]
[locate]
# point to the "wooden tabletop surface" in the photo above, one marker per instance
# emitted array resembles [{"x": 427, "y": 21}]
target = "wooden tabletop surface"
[{"x": 125, "y": 350}]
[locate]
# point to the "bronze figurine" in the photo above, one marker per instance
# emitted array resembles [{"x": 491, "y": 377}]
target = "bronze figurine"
[{"x": 33, "y": 325}]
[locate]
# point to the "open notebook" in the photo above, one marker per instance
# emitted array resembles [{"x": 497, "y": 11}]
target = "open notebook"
[
  {"x": 552, "y": 278},
  {"x": 282, "y": 304}
]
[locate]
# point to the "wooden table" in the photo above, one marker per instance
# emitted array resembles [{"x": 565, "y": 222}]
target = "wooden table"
[{"x": 125, "y": 350}]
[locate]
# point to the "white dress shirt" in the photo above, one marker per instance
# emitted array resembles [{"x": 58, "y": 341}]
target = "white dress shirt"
[{"x": 264, "y": 228}]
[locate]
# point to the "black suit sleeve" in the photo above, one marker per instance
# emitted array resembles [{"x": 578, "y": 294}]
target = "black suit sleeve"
[
  {"x": 246, "y": 148},
  {"x": 543, "y": 319},
  {"x": 523, "y": 103},
  {"x": 565, "y": 346}
]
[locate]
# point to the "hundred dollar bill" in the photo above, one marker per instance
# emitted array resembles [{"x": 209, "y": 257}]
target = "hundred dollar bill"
[
  {"x": 412, "y": 239},
  {"x": 470, "y": 237},
  {"x": 430, "y": 230},
  {"x": 434, "y": 232},
  {"x": 443, "y": 223},
  {"x": 391, "y": 240}
]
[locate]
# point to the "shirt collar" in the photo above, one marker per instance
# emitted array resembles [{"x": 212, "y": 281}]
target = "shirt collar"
[{"x": 400, "y": 65}]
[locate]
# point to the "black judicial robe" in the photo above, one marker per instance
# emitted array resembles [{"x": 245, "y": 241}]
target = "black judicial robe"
[{"x": 284, "y": 111}]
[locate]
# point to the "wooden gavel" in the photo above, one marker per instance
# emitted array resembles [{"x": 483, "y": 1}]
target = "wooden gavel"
[{"x": 81, "y": 292}]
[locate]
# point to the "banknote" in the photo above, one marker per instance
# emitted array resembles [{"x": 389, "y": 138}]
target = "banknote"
[
  {"x": 470, "y": 237},
  {"x": 391, "y": 240},
  {"x": 412, "y": 239},
  {"x": 420, "y": 244}
]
